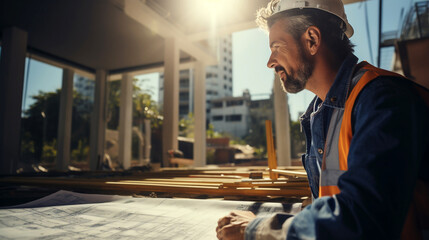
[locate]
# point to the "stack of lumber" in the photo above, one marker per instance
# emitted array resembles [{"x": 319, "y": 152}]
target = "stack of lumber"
[{"x": 210, "y": 182}]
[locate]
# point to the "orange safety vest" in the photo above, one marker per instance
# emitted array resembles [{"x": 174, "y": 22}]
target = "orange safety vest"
[{"x": 418, "y": 214}]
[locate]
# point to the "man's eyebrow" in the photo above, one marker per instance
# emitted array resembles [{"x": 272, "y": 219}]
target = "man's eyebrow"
[{"x": 272, "y": 44}]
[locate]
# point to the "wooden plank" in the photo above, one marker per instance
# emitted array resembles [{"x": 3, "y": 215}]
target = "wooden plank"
[
  {"x": 290, "y": 173},
  {"x": 215, "y": 176},
  {"x": 272, "y": 161},
  {"x": 191, "y": 180},
  {"x": 174, "y": 183},
  {"x": 279, "y": 185},
  {"x": 118, "y": 187}
]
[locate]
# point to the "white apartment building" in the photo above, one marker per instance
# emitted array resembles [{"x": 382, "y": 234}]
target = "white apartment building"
[
  {"x": 231, "y": 115},
  {"x": 218, "y": 80}
]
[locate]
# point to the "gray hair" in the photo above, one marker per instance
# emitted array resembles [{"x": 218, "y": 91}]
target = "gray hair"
[
  {"x": 264, "y": 13},
  {"x": 331, "y": 27}
]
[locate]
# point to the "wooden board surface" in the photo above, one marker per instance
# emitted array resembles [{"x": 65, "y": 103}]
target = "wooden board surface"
[{"x": 220, "y": 182}]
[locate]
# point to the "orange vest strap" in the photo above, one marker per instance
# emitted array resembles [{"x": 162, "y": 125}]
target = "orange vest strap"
[
  {"x": 346, "y": 132},
  {"x": 418, "y": 214},
  {"x": 328, "y": 190}
]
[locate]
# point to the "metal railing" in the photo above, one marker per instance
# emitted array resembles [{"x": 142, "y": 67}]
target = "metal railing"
[{"x": 416, "y": 23}]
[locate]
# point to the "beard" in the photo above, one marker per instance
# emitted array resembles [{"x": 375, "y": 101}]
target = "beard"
[{"x": 296, "y": 81}]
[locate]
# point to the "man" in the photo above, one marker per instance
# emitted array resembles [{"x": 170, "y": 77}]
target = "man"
[{"x": 366, "y": 134}]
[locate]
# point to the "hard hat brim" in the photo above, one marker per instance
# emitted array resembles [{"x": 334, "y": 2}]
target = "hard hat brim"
[{"x": 287, "y": 6}]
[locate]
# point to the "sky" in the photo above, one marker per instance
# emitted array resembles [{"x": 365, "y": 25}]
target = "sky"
[
  {"x": 250, "y": 55},
  {"x": 251, "y": 50}
]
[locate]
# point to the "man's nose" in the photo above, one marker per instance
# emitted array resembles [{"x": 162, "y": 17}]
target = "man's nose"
[{"x": 271, "y": 62}]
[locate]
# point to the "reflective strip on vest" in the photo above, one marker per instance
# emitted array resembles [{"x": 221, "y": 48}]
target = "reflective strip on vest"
[
  {"x": 331, "y": 170},
  {"x": 340, "y": 132},
  {"x": 417, "y": 224}
]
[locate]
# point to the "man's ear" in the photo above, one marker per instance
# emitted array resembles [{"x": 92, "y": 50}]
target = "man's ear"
[{"x": 312, "y": 39}]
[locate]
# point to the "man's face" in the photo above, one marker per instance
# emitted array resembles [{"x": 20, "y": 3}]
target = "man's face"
[{"x": 288, "y": 59}]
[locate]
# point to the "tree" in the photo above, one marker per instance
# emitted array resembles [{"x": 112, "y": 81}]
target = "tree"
[
  {"x": 39, "y": 124},
  {"x": 297, "y": 139},
  {"x": 186, "y": 126},
  {"x": 256, "y": 136},
  {"x": 39, "y": 128},
  {"x": 143, "y": 106}
]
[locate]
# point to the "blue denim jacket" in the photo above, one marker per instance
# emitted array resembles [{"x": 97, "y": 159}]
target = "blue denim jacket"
[{"x": 390, "y": 126}]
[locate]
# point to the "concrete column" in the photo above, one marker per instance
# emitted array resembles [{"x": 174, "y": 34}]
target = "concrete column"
[
  {"x": 12, "y": 67},
  {"x": 200, "y": 115},
  {"x": 147, "y": 141},
  {"x": 125, "y": 120},
  {"x": 98, "y": 121},
  {"x": 281, "y": 116},
  {"x": 65, "y": 121},
  {"x": 191, "y": 86},
  {"x": 170, "y": 126}
]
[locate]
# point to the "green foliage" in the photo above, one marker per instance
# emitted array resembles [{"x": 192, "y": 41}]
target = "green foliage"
[
  {"x": 210, "y": 155},
  {"x": 49, "y": 152},
  {"x": 81, "y": 152},
  {"x": 143, "y": 106},
  {"x": 113, "y": 99},
  {"x": 40, "y": 125},
  {"x": 210, "y": 132},
  {"x": 238, "y": 141},
  {"x": 297, "y": 139},
  {"x": 260, "y": 152},
  {"x": 39, "y": 128},
  {"x": 256, "y": 136},
  {"x": 187, "y": 129},
  {"x": 186, "y": 126}
]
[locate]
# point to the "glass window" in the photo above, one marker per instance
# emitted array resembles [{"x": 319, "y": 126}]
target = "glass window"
[
  {"x": 184, "y": 96},
  {"x": 111, "y": 147},
  {"x": 233, "y": 118},
  {"x": 217, "y": 118},
  {"x": 40, "y": 112},
  {"x": 184, "y": 83},
  {"x": 146, "y": 122},
  {"x": 83, "y": 104},
  {"x": 183, "y": 110},
  {"x": 231, "y": 103},
  {"x": 146, "y": 132},
  {"x": 216, "y": 104}
]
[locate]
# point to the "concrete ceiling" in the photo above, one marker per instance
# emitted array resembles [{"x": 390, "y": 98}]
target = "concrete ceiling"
[
  {"x": 100, "y": 34},
  {"x": 92, "y": 33}
]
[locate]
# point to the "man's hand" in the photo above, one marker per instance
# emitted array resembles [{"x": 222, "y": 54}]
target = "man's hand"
[{"x": 231, "y": 227}]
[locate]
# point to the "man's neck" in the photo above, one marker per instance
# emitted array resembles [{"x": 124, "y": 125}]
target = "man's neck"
[{"x": 325, "y": 70}]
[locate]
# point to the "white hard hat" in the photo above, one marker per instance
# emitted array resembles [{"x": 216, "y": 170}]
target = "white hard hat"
[{"x": 334, "y": 7}]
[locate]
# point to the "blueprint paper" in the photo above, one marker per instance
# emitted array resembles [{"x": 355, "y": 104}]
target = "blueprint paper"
[
  {"x": 70, "y": 198},
  {"x": 126, "y": 218}
]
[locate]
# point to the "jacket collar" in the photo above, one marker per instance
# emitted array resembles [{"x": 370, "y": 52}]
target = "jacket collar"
[{"x": 338, "y": 92}]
